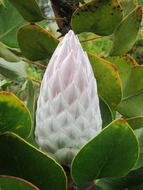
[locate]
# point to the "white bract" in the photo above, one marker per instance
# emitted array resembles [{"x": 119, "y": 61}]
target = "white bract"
[{"x": 68, "y": 112}]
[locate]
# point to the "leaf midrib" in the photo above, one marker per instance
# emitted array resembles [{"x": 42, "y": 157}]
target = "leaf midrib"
[{"x": 139, "y": 92}]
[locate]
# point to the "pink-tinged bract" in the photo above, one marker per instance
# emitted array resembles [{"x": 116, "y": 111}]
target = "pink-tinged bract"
[{"x": 68, "y": 112}]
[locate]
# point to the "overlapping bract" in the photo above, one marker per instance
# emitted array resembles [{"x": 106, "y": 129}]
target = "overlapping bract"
[{"x": 68, "y": 112}]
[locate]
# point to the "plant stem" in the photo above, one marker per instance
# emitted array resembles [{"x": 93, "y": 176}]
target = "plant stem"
[
  {"x": 54, "y": 19},
  {"x": 34, "y": 63},
  {"x": 63, "y": 9},
  {"x": 72, "y": 186},
  {"x": 97, "y": 37},
  {"x": 34, "y": 80}
]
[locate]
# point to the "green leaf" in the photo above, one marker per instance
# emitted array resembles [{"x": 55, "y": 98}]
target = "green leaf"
[
  {"x": 106, "y": 113},
  {"x": 109, "y": 184},
  {"x": 135, "y": 81},
  {"x": 135, "y": 122},
  {"x": 10, "y": 182},
  {"x": 12, "y": 70},
  {"x": 126, "y": 33},
  {"x": 139, "y": 135},
  {"x": 28, "y": 9},
  {"x": 92, "y": 43},
  {"x": 31, "y": 98},
  {"x": 128, "y": 5},
  {"x": 124, "y": 64},
  {"x": 87, "y": 36},
  {"x": 19, "y": 158},
  {"x": 2, "y": 2},
  {"x": 14, "y": 116},
  {"x": 10, "y": 21},
  {"x": 112, "y": 153},
  {"x": 7, "y": 54},
  {"x": 4, "y": 84},
  {"x": 100, "y": 17},
  {"x": 132, "y": 102},
  {"x": 105, "y": 72},
  {"x": 31, "y": 104},
  {"x": 133, "y": 179},
  {"x": 139, "y": 187},
  {"x": 141, "y": 2},
  {"x": 35, "y": 42},
  {"x": 97, "y": 188}
]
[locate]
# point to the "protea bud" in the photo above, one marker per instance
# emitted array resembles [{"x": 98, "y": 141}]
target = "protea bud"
[{"x": 68, "y": 112}]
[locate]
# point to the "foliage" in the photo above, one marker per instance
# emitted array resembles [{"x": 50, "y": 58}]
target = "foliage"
[{"x": 110, "y": 31}]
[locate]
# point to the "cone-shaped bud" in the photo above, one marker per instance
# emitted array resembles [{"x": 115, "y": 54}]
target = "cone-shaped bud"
[{"x": 68, "y": 112}]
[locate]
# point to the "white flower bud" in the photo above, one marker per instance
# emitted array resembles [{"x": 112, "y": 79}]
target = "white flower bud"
[{"x": 68, "y": 112}]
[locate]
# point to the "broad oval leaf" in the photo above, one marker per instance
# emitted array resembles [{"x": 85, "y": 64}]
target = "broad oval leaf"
[
  {"x": 28, "y": 9},
  {"x": 92, "y": 43},
  {"x": 110, "y": 184},
  {"x": 106, "y": 113},
  {"x": 132, "y": 102},
  {"x": 112, "y": 153},
  {"x": 139, "y": 135},
  {"x": 10, "y": 21},
  {"x": 128, "y": 5},
  {"x": 12, "y": 70},
  {"x": 133, "y": 179},
  {"x": 135, "y": 122},
  {"x": 10, "y": 182},
  {"x": 19, "y": 158},
  {"x": 124, "y": 65},
  {"x": 141, "y": 2},
  {"x": 100, "y": 17},
  {"x": 108, "y": 80},
  {"x": 7, "y": 54},
  {"x": 14, "y": 116},
  {"x": 126, "y": 33},
  {"x": 35, "y": 42}
]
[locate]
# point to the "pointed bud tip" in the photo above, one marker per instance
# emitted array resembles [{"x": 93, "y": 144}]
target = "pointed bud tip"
[
  {"x": 71, "y": 32},
  {"x": 68, "y": 112}
]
